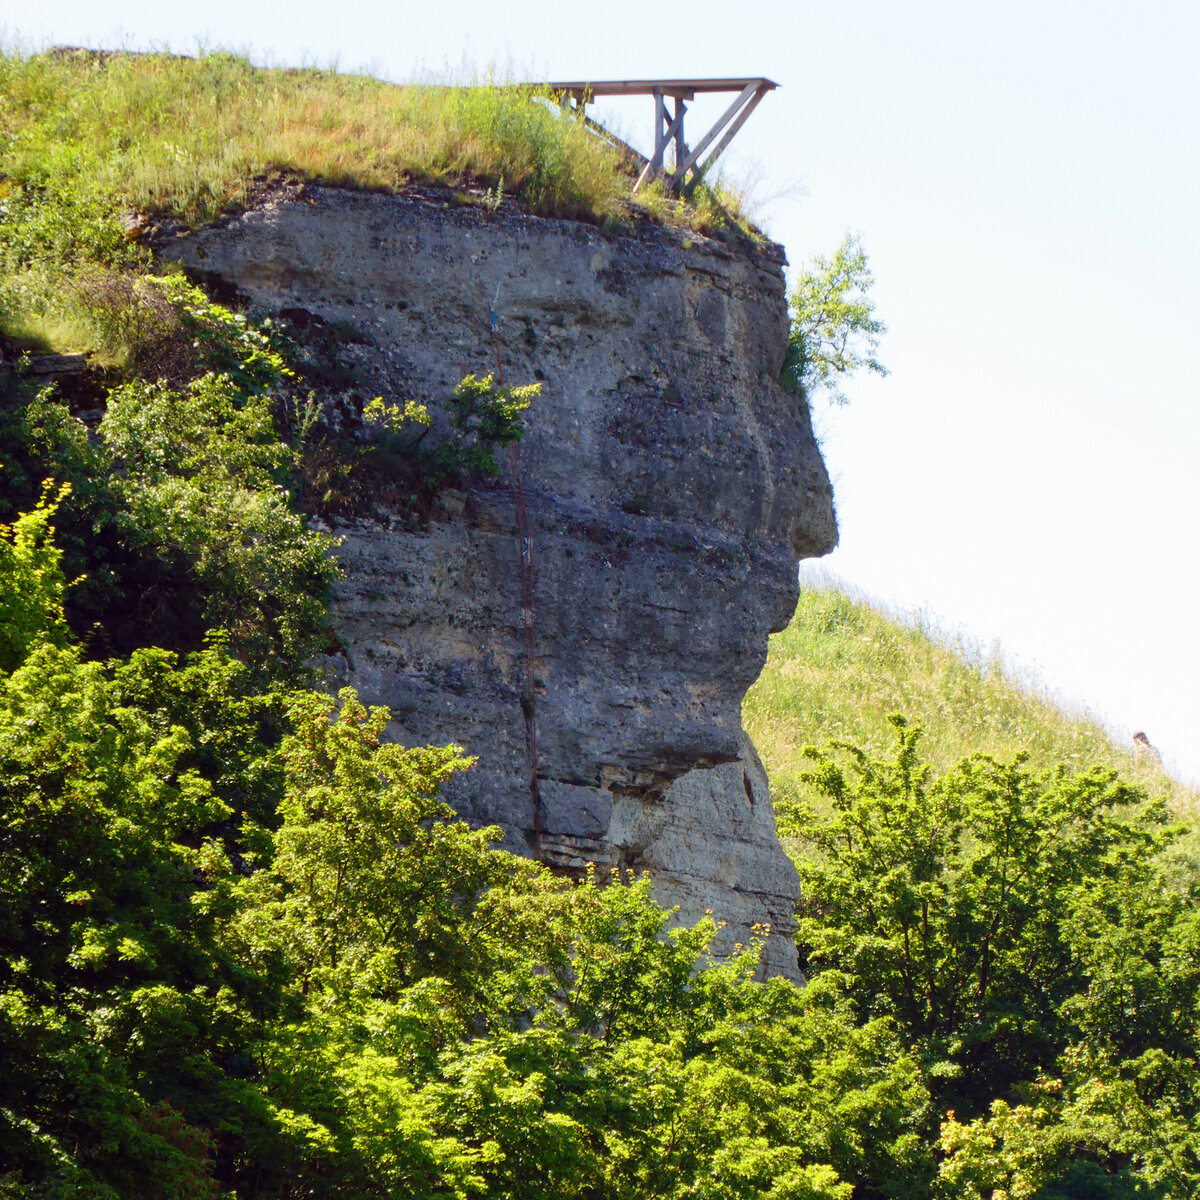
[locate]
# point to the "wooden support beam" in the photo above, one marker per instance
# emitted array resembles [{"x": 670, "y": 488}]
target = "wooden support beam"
[
  {"x": 698, "y": 173},
  {"x": 685, "y": 89},
  {"x": 680, "y": 145},
  {"x": 749, "y": 90},
  {"x": 663, "y": 134},
  {"x": 648, "y": 172},
  {"x": 660, "y": 124}
]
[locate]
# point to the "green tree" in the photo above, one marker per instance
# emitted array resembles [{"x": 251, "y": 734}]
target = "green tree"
[
  {"x": 1037, "y": 950},
  {"x": 122, "y": 1017},
  {"x": 203, "y": 474},
  {"x": 948, "y": 900},
  {"x": 834, "y": 330},
  {"x": 377, "y": 880},
  {"x": 1118, "y": 1115},
  {"x": 462, "y": 1022},
  {"x": 485, "y": 417}
]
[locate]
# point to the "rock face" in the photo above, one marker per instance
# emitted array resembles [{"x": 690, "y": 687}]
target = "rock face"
[{"x": 670, "y": 487}]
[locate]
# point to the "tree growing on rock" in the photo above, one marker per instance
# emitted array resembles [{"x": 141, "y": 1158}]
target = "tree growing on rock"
[{"x": 834, "y": 330}]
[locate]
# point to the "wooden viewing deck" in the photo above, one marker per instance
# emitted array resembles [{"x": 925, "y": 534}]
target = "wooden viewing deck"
[{"x": 668, "y": 127}]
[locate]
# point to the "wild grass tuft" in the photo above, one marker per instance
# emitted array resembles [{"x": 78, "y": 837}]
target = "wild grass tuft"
[{"x": 843, "y": 665}]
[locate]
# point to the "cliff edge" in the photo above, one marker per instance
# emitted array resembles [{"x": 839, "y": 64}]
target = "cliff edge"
[{"x": 669, "y": 485}]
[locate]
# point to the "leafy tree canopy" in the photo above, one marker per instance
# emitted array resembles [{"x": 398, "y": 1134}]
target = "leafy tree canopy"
[
  {"x": 246, "y": 950},
  {"x": 834, "y": 330},
  {"x": 1035, "y": 948}
]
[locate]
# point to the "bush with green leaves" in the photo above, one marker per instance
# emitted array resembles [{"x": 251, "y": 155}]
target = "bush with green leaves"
[
  {"x": 160, "y": 327},
  {"x": 180, "y": 518},
  {"x": 248, "y": 950},
  {"x": 484, "y": 417},
  {"x": 31, "y": 581},
  {"x": 119, "y": 1007},
  {"x": 471, "y": 1022},
  {"x": 202, "y": 473}
]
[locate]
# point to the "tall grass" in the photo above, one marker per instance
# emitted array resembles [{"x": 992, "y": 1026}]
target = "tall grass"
[
  {"x": 186, "y": 137},
  {"x": 93, "y": 144},
  {"x": 843, "y": 664}
]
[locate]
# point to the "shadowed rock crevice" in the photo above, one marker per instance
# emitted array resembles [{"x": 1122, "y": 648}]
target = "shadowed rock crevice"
[{"x": 670, "y": 487}]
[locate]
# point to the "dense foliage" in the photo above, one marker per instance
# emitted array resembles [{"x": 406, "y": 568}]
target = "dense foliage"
[
  {"x": 176, "y": 519},
  {"x": 1035, "y": 948},
  {"x": 248, "y": 950}
]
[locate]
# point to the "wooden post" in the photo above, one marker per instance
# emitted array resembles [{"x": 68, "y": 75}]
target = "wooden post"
[
  {"x": 681, "y": 150},
  {"x": 663, "y": 133},
  {"x": 706, "y": 141}
]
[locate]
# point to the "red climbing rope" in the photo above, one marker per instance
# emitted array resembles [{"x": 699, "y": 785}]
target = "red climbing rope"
[{"x": 529, "y": 700}]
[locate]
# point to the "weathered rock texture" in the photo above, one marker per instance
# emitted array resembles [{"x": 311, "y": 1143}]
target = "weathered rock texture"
[{"x": 670, "y": 487}]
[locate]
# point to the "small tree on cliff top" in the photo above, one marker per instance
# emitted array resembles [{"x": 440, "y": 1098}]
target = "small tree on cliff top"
[{"x": 834, "y": 328}]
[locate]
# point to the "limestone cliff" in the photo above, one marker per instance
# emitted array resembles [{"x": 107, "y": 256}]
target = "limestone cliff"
[{"x": 670, "y": 488}]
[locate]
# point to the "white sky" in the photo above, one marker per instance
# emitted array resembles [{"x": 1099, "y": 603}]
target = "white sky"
[{"x": 1024, "y": 177}]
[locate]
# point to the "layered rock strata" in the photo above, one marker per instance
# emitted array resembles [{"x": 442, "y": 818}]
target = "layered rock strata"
[{"x": 670, "y": 487}]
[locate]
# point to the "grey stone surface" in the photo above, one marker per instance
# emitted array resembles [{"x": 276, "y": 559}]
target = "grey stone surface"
[
  {"x": 671, "y": 487},
  {"x": 717, "y": 826}
]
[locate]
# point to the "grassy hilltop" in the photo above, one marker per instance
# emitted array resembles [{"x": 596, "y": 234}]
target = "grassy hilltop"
[
  {"x": 188, "y": 137},
  {"x": 98, "y": 149}
]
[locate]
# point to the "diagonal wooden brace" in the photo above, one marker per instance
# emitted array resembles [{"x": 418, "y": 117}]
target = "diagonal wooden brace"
[
  {"x": 699, "y": 173},
  {"x": 662, "y": 137},
  {"x": 750, "y": 91}
]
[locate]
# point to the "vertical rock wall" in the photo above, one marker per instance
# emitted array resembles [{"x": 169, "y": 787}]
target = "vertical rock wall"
[{"x": 670, "y": 487}]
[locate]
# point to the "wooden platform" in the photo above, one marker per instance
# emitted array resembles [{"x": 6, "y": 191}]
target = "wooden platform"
[{"x": 686, "y": 170}]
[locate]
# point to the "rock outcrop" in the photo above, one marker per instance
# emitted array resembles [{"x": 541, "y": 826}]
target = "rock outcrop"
[{"x": 670, "y": 488}]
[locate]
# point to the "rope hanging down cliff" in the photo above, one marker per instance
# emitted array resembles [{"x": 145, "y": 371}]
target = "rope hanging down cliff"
[{"x": 529, "y": 699}]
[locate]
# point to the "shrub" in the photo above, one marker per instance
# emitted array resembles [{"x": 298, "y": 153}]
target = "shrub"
[
  {"x": 31, "y": 581},
  {"x": 202, "y": 473}
]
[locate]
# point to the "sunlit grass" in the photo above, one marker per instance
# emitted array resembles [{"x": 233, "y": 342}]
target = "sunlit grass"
[
  {"x": 844, "y": 664},
  {"x": 90, "y": 144},
  {"x": 186, "y": 137}
]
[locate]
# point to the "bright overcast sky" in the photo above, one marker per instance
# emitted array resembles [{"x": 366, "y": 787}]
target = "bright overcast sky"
[{"x": 1024, "y": 177}]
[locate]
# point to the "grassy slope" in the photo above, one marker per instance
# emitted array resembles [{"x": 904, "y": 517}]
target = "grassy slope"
[
  {"x": 187, "y": 136},
  {"x": 843, "y": 665},
  {"x": 94, "y": 148}
]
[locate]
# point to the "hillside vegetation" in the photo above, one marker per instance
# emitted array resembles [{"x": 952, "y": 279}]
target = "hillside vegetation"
[
  {"x": 246, "y": 950},
  {"x": 844, "y": 665},
  {"x": 1006, "y": 883}
]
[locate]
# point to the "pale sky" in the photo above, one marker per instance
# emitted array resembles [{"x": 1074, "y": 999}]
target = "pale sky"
[{"x": 1024, "y": 178}]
